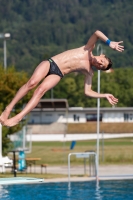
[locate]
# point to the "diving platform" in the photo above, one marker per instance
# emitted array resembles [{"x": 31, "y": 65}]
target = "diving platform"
[{"x": 20, "y": 180}]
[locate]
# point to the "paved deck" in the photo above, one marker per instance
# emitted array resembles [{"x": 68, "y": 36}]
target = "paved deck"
[{"x": 108, "y": 172}]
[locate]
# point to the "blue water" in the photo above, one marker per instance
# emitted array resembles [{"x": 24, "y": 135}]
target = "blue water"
[{"x": 107, "y": 190}]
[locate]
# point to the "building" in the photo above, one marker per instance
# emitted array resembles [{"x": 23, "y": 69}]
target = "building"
[{"x": 57, "y": 110}]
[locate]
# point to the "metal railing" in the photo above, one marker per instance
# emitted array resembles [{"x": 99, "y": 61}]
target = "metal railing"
[{"x": 82, "y": 155}]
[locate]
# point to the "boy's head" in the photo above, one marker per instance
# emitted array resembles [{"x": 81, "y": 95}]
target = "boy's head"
[{"x": 102, "y": 62}]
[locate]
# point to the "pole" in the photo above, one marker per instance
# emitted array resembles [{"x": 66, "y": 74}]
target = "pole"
[
  {"x": 5, "y": 36},
  {"x": 98, "y": 121},
  {"x": 24, "y": 137},
  {"x": 99, "y": 51},
  {"x": 52, "y": 96},
  {"x": 103, "y": 146},
  {"x": 14, "y": 164},
  {"x": 69, "y": 155},
  {"x": 0, "y": 141},
  {"x": 5, "y": 59},
  {"x": 1, "y": 160}
]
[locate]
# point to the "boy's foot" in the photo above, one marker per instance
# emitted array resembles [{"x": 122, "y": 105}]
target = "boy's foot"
[
  {"x": 4, "y": 116},
  {"x": 12, "y": 121}
]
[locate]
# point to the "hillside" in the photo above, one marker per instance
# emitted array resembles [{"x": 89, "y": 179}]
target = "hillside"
[{"x": 40, "y": 28}]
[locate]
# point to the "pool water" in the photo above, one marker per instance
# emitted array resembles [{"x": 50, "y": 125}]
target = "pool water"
[{"x": 107, "y": 190}]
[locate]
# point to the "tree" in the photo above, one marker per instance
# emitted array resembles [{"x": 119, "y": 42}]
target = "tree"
[
  {"x": 41, "y": 27},
  {"x": 119, "y": 83},
  {"x": 10, "y": 82}
]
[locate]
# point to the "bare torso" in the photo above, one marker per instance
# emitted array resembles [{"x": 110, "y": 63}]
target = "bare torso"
[{"x": 73, "y": 60}]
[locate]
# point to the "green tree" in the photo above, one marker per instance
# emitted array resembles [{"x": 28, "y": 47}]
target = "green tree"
[
  {"x": 49, "y": 27},
  {"x": 119, "y": 83},
  {"x": 10, "y": 82}
]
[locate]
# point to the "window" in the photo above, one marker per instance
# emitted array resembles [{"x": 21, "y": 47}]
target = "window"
[
  {"x": 48, "y": 115},
  {"x": 36, "y": 115},
  {"x": 128, "y": 117},
  {"x": 76, "y": 117},
  {"x": 92, "y": 117}
]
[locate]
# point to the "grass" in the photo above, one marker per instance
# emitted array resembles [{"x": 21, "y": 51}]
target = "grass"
[
  {"x": 37, "y": 175},
  {"x": 34, "y": 175},
  {"x": 114, "y": 151}
]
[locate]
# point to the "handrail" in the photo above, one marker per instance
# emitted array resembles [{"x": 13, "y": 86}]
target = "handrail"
[{"x": 83, "y": 155}]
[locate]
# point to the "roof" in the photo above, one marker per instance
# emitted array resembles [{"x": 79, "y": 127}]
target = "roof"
[
  {"x": 104, "y": 109},
  {"x": 62, "y": 105},
  {"x": 52, "y": 104}
]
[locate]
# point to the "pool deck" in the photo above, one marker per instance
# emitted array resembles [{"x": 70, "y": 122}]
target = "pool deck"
[
  {"x": 107, "y": 172},
  {"x": 104, "y": 170}
]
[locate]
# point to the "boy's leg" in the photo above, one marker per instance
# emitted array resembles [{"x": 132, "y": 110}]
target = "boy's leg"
[
  {"x": 39, "y": 73},
  {"x": 49, "y": 82}
]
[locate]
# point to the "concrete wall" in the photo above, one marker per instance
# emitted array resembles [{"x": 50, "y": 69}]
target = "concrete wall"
[
  {"x": 113, "y": 117},
  {"x": 53, "y": 128},
  {"x": 90, "y": 127}
]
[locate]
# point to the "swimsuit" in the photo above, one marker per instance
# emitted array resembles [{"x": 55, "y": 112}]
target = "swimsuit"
[{"x": 54, "y": 69}]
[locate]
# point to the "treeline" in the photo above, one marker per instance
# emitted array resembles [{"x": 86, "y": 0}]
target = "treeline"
[{"x": 40, "y": 28}]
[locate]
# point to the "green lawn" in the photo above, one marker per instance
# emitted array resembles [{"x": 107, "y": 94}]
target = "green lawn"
[
  {"x": 114, "y": 151},
  {"x": 34, "y": 175}
]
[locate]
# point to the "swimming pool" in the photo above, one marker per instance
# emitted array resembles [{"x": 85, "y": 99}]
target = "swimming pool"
[{"x": 107, "y": 190}]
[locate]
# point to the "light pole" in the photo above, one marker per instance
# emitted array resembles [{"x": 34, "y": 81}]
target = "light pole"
[
  {"x": 5, "y": 36},
  {"x": 0, "y": 141},
  {"x": 99, "y": 51}
]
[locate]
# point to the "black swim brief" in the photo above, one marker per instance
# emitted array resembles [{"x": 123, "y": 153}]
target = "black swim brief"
[{"x": 54, "y": 69}]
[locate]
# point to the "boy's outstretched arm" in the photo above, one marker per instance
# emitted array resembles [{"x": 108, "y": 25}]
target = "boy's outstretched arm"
[
  {"x": 89, "y": 92},
  {"x": 99, "y": 35}
]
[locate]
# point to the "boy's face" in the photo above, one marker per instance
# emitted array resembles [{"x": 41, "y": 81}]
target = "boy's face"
[{"x": 101, "y": 62}]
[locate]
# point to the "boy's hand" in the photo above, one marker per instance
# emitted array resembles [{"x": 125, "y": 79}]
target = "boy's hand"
[
  {"x": 112, "y": 100},
  {"x": 116, "y": 46}
]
